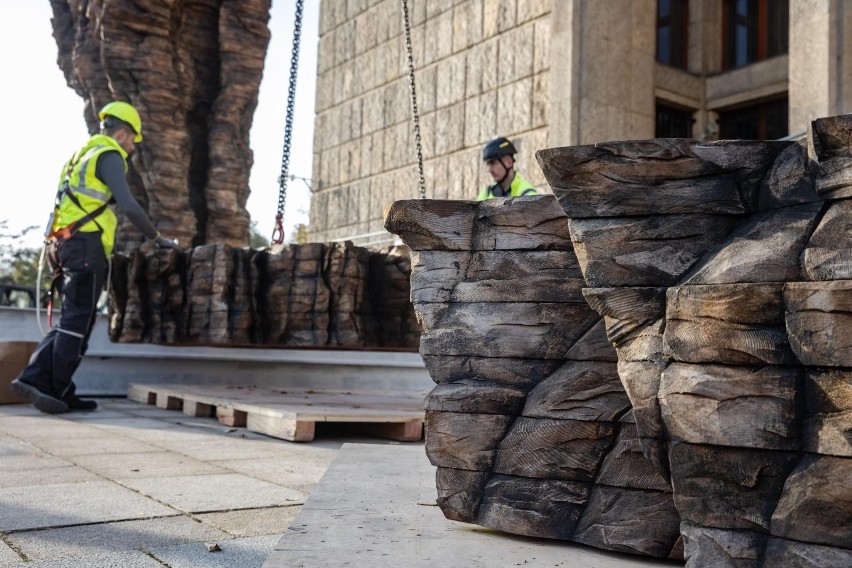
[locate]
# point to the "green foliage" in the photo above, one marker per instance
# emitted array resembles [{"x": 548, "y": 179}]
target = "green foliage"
[
  {"x": 299, "y": 235},
  {"x": 18, "y": 265},
  {"x": 256, "y": 239}
]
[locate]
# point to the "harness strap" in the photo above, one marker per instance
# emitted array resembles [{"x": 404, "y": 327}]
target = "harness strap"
[{"x": 70, "y": 230}]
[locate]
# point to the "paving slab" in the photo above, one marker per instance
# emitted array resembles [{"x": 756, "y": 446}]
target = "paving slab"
[
  {"x": 242, "y": 552},
  {"x": 64, "y": 504},
  {"x": 145, "y": 465},
  {"x": 8, "y": 557},
  {"x": 152, "y": 430},
  {"x": 220, "y": 449},
  {"x": 64, "y": 445},
  {"x": 215, "y": 492},
  {"x": 10, "y": 446},
  {"x": 18, "y": 410},
  {"x": 41, "y": 426},
  {"x": 252, "y": 522},
  {"x": 82, "y": 542},
  {"x": 130, "y": 559},
  {"x": 300, "y": 471},
  {"x": 20, "y": 477},
  {"x": 375, "y": 507},
  {"x": 96, "y": 416}
]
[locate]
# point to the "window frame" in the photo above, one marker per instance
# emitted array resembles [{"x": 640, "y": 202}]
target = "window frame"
[
  {"x": 759, "y": 36},
  {"x": 678, "y": 54}
]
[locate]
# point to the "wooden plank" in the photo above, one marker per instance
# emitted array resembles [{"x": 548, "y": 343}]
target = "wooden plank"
[
  {"x": 626, "y": 466},
  {"x": 281, "y": 427},
  {"x": 828, "y": 426},
  {"x": 512, "y": 372},
  {"x": 629, "y": 520},
  {"x": 579, "y": 391},
  {"x": 634, "y": 319},
  {"x": 815, "y": 505},
  {"x": 766, "y": 248},
  {"x": 828, "y": 255},
  {"x": 554, "y": 449},
  {"x": 793, "y": 554},
  {"x": 660, "y": 176},
  {"x": 400, "y": 431},
  {"x": 464, "y": 441},
  {"x": 645, "y": 251},
  {"x": 831, "y": 144},
  {"x": 460, "y": 492},
  {"x": 547, "y": 508},
  {"x": 481, "y": 397},
  {"x": 198, "y": 409},
  {"x": 492, "y": 276},
  {"x": 738, "y": 324},
  {"x": 819, "y": 321},
  {"x": 231, "y": 417},
  {"x": 169, "y": 402},
  {"x": 526, "y": 330},
  {"x": 433, "y": 224},
  {"x": 705, "y": 546},
  {"x": 732, "y": 488},
  {"x": 529, "y": 223},
  {"x": 788, "y": 180},
  {"x": 292, "y": 415},
  {"x": 746, "y": 407},
  {"x": 143, "y": 394}
]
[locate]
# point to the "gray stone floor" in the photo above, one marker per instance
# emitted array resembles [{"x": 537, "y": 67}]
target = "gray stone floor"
[{"x": 136, "y": 486}]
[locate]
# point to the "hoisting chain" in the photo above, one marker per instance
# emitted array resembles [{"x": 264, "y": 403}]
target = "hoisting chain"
[
  {"x": 278, "y": 231},
  {"x": 414, "y": 113}
]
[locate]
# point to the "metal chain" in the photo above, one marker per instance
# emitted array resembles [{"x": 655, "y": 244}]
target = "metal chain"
[
  {"x": 414, "y": 113},
  {"x": 278, "y": 232}
]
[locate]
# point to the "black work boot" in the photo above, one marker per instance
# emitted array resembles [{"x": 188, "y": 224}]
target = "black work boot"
[
  {"x": 41, "y": 400},
  {"x": 77, "y": 404}
]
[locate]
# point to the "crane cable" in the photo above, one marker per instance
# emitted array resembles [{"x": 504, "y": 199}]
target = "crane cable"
[
  {"x": 278, "y": 231},
  {"x": 414, "y": 114}
]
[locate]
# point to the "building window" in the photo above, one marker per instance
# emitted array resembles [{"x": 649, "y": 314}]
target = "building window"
[
  {"x": 762, "y": 121},
  {"x": 754, "y": 30},
  {"x": 672, "y": 30},
  {"x": 673, "y": 122}
]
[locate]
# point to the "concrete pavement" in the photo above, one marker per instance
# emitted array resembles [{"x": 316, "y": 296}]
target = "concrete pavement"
[{"x": 133, "y": 485}]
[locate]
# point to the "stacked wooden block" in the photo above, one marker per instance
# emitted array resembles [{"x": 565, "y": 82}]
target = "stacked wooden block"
[
  {"x": 722, "y": 274},
  {"x": 299, "y": 295},
  {"x": 529, "y": 425}
]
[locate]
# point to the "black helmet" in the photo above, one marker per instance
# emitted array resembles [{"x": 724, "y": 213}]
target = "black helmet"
[{"x": 498, "y": 148}]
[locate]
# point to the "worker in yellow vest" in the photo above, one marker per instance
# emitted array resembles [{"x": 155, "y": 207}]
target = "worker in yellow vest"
[
  {"x": 499, "y": 158},
  {"x": 80, "y": 239}
]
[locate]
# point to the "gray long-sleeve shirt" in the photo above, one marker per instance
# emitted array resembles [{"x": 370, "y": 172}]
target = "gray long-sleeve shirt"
[{"x": 110, "y": 170}]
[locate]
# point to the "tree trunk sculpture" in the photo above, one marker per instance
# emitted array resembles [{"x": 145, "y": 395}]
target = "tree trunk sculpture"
[
  {"x": 193, "y": 70},
  {"x": 722, "y": 273}
]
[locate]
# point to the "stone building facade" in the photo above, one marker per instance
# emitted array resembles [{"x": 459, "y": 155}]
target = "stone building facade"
[{"x": 551, "y": 73}]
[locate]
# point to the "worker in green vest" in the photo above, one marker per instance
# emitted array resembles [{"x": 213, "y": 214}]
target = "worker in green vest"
[
  {"x": 80, "y": 237},
  {"x": 499, "y": 158}
]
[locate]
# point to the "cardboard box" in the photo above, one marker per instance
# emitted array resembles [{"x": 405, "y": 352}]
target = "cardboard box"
[{"x": 14, "y": 356}]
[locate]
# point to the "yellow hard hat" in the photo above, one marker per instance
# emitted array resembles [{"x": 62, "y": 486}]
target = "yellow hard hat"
[{"x": 126, "y": 113}]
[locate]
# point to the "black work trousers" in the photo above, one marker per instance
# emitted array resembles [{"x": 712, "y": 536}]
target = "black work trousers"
[{"x": 81, "y": 265}]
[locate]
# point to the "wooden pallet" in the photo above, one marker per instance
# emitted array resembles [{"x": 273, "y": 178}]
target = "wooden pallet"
[{"x": 291, "y": 414}]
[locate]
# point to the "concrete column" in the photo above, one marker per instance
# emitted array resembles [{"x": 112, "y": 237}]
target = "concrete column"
[
  {"x": 820, "y": 60},
  {"x": 602, "y": 62}
]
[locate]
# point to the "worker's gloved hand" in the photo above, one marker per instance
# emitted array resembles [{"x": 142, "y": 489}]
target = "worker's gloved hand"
[{"x": 164, "y": 243}]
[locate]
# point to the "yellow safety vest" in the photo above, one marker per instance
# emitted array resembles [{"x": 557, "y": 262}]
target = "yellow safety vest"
[
  {"x": 519, "y": 187},
  {"x": 79, "y": 174}
]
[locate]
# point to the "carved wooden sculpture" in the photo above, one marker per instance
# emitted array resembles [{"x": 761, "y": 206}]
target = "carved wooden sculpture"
[
  {"x": 721, "y": 272},
  {"x": 193, "y": 71},
  {"x": 320, "y": 295}
]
